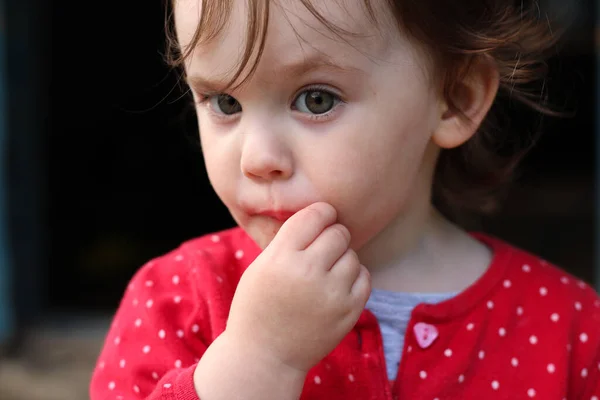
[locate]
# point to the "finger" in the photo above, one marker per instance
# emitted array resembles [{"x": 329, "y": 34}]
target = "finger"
[
  {"x": 361, "y": 289},
  {"x": 329, "y": 246},
  {"x": 346, "y": 270},
  {"x": 303, "y": 227}
]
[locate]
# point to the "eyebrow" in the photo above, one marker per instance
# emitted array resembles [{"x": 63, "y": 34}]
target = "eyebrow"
[
  {"x": 313, "y": 62},
  {"x": 293, "y": 69}
]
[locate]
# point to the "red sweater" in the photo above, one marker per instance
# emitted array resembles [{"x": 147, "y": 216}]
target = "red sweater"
[{"x": 524, "y": 330}]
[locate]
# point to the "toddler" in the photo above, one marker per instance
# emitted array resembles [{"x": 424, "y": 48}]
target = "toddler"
[{"x": 328, "y": 128}]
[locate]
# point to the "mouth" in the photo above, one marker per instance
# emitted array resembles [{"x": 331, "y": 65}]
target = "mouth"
[{"x": 281, "y": 215}]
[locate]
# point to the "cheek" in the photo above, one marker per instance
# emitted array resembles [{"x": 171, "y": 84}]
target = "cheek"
[
  {"x": 221, "y": 167},
  {"x": 370, "y": 176}
]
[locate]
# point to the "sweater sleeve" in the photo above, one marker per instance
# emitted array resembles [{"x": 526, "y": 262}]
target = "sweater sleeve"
[
  {"x": 585, "y": 373},
  {"x": 154, "y": 343},
  {"x": 592, "y": 386}
]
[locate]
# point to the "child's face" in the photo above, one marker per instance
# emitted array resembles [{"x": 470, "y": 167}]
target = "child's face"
[{"x": 320, "y": 120}]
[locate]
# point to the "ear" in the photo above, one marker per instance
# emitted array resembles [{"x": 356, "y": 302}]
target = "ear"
[{"x": 474, "y": 96}]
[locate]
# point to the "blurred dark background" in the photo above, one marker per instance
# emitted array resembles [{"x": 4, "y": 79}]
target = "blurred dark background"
[{"x": 102, "y": 169}]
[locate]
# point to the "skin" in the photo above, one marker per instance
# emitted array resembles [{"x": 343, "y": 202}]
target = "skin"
[{"x": 357, "y": 178}]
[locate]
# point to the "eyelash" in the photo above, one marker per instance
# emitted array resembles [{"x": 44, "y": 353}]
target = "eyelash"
[{"x": 204, "y": 98}]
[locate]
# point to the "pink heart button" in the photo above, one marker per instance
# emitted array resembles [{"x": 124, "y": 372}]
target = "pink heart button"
[{"x": 425, "y": 334}]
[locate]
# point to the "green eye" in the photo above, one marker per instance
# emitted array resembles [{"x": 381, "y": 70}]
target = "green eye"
[
  {"x": 225, "y": 104},
  {"x": 316, "y": 102}
]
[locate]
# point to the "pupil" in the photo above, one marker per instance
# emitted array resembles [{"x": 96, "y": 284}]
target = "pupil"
[{"x": 319, "y": 102}]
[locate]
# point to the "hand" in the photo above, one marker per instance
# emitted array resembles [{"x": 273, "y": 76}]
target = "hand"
[{"x": 303, "y": 294}]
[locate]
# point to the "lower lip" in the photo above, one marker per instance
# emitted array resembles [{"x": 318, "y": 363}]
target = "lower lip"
[{"x": 281, "y": 216}]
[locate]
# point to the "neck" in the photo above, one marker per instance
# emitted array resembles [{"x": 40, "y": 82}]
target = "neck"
[
  {"x": 438, "y": 258},
  {"x": 421, "y": 251}
]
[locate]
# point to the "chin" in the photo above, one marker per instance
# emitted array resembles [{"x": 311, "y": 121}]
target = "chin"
[
  {"x": 261, "y": 239},
  {"x": 262, "y": 234}
]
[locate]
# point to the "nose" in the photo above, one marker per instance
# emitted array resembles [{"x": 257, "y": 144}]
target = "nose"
[{"x": 265, "y": 156}]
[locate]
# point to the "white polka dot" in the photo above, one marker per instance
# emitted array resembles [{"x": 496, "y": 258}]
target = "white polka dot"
[
  {"x": 470, "y": 327},
  {"x": 102, "y": 364},
  {"x": 583, "y": 337},
  {"x": 195, "y": 328},
  {"x": 448, "y": 353},
  {"x": 177, "y": 363},
  {"x": 317, "y": 379},
  {"x": 219, "y": 279},
  {"x": 520, "y": 310},
  {"x": 111, "y": 385},
  {"x": 117, "y": 341},
  {"x": 569, "y": 347},
  {"x": 175, "y": 280},
  {"x": 551, "y": 368},
  {"x": 136, "y": 388},
  {"x": 533, "y": 339},
  {"x": 167, "y": 385},
  {"x": 122, "y": 363},
  {"x": 502, "y": 332},
  {"x": 423, "y": 374},
  {"x": 178, "y": 257},
  {"x": 177, "y": 299},
  {"x": 555, "y": 317},
  {"x": 582, "y": 284},
  {"x": 351, "y": 377},
  {"x": 490, "y": 304},
  {"x": 495, "y": 385},
  {"x": 215, "y": 238},
  {"x": 149, "y": 283},
  {"x": 149, "y": 303},
  {"x": 239, "y": 254},
  {"x": 578, "y": 306},
  {"x": 135, "y": 302},
  {"x": 514, "y": 362},
  {"x": 162, "y": 334},
  {"x": 138, "y": 322},
  {"x": 180, "y": 333},
  {"x": 543, "y": 291},
  {"x": 409, "y": 349},
  {"x": 531, "y": 393},
  {"x": 481, "y": 355},
  {"x": 507, "y": 283},
  {"x": 564, "y": 280},
  {"x": 461, "y": 378},
  {"x": 594, "y": 398},
  {"x": 526, "y": 268},
  {"x": 155, "y": 376},
  {"x": 146, "y": 349},
  {"x": 584, "y": 373}
]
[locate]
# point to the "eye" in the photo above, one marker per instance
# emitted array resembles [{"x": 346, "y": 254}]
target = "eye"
[
  {"x": 224, "y": 104},
  {"x": 316, "y": 101}
]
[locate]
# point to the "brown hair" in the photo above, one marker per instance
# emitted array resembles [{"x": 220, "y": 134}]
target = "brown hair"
[{"x": 514, "y": 35}]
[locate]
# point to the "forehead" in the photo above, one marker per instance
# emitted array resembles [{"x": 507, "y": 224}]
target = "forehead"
[{"x": 293, "y": 32}]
